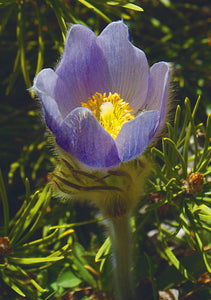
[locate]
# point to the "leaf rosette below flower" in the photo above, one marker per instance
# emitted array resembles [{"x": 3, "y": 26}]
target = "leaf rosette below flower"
[
  {"x": 115, "y": 192},
  {"x": 103, "y": 103}
]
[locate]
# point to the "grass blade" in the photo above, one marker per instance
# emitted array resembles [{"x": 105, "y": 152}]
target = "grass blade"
[
  {"x": 20, "y": 38},
  {"x": 95, "y": 9}
]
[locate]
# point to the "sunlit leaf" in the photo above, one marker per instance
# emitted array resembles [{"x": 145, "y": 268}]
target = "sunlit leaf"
[
  {"x": 68, "y": 279},
  {"x": 34, "y": 260},
  {"x": 125, "y": 5},
  {"x": 80, "y": 263},
  {"x": 95, "y": 9}
]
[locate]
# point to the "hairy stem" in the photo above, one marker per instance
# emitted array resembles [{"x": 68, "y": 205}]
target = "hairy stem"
[{"x": 121, "y": 242}]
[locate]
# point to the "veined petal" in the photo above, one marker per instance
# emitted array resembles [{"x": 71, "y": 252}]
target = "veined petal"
[
  {"x": 135, "y": 135},
  {"x": 107, "y": 64},
  {"x": 82, "y": 136},
  {"x": 158, "y": 88},
  {"x": 83, "y": 66},
  {"x": 128, "y": 65},
  {"x": 48, "y": 83},
  {"x": 53, "y": 117}
]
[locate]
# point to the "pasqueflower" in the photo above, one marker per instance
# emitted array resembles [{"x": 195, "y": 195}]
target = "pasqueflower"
[
  {"x": 104, "y": 106},
  {"x": 102, "y": 102}
]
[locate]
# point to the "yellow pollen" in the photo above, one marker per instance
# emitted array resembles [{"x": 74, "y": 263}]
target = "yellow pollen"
[
  {"x": 111, "y": 111},
  {"x": 106, "y": 109}
]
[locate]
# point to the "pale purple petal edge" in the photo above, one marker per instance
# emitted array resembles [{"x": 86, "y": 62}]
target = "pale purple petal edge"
[
  {"x": 136, "y": 135},
  {"x": 82, "y": 136}
]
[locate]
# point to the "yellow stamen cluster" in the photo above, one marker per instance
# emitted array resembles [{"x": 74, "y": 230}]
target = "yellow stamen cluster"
[{"x": 111, "y": 111}]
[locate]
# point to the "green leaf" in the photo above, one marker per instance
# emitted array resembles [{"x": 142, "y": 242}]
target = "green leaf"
[
  {"x": 7, "y": 2},
  {"x": 33, "y": 260},
  {"x": 20, "y": 38},
  {"x": 152, "y": 277},
  {"x": 187, "y": 229},
  {"x": 95, "y": 9},
  {"x": 157, "y": 152},
  {"x": 33, "y": 282},
  {"x": 167, "y": 3},
  {"x": 36, "y": 213},
  {"x": 77, "y": 224},
  {"x": 125, "y": 5},
  {"x": 28, "y": 190},
  {"x": 198, "y": 239},
  {"x": 182, "y": 135},
  {"x": 205, "y": 215},
  {"x": 13, "y": 285},
  {"x": 5, "y": 18},
  {"x": 204, "y": 255},
  {"x": 45, "y": 241},
  {"x": 80, "y": 263},
  {"x": 193, "y": 128},
  {"x": 5, "y": 204},
  {"x": 206, "y": 143},
  {"x": 22, "y": 222},
  {"x": 67, "y": 279},
  {"x": 104, "y": 250},
  {"x": 167, "y": 157},
  {"x": 12, "y": 78},
  {"x": 40, "y": 57},
  {"x": 173, "y": 259},
  {"x": 63, "y": 251},
  {"x": 205, "y": 164},
  {"x": 56, "y": 8},
  {"x": 132, "y": 6},
  {"x": 176, "y": 122},
  {"x": 187, "y": 139},
  {"x": 171, "y": 256},
  {"x": 170, "y": 276},
  {"x": 177, "y": 153},
  {"x": 170, "y": 130}
]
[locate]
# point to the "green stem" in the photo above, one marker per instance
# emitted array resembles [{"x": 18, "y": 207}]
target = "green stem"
[{"x": 121, "y": 243}]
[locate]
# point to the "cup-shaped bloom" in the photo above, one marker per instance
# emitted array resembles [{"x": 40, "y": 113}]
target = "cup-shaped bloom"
[{"x": 102, "y": 102}]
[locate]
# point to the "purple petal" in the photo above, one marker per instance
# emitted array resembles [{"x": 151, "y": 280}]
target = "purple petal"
[
  {"x": 50, "y": 108},
  {"x": 158, "y": 88},
  {"x": 135, "y": 135},
  {"x": 52, "y": 114},
  {"x": 83, "y": 66},
  {"x": 48, "y": 83},
  {"x": 82, "y": 136},
  {"x": 128, "y": 65}
]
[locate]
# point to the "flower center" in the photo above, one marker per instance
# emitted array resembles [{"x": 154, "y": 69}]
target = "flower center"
[{"x": 111, "y": 111}]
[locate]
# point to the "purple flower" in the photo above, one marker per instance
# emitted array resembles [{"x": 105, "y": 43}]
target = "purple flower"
[{"x": 92, "y": 69}]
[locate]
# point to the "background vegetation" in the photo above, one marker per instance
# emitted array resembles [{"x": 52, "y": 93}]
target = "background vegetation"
[{"x": 54, "y": 250}]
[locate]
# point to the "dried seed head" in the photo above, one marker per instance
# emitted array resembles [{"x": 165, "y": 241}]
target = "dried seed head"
[
  {"x": 5, "y": 248},
  {"x": 194, "y": 183}
]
